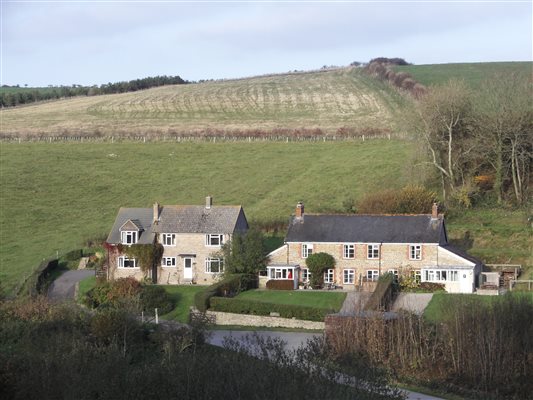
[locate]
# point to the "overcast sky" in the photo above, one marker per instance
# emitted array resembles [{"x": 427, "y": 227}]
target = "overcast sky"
[{"x": 95, "y": 42}]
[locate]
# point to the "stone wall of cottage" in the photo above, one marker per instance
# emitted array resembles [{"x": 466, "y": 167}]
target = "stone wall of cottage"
[
  {"x": 187, "y": 245},
  {"x": 222, "y": 318},
  {"x": 392, "y": 256}
]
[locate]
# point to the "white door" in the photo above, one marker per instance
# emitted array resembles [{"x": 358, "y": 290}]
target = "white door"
[
  {"x": 466, "y": 281},
  {"x": 187, "y": 268}
]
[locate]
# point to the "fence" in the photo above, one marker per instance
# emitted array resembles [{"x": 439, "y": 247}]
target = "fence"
[{"x": 513, "y": 283}]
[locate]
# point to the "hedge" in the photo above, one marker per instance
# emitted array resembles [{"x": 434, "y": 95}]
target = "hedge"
[
  {"x": 252, "y": 307},
  {"x": 382, "y": 296},
  {"x": 230, "y": 286},
  {"x": 35, "y": 283},
  {"x": 280, "y": 284}
]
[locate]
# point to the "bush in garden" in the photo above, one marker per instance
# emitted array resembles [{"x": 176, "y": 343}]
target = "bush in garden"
[
  {"x": 318, "y": 263},
  {"x": 153, "y": 297}
]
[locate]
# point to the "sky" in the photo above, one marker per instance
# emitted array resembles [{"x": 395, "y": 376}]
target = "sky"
[{"x": 94, "y": 42}]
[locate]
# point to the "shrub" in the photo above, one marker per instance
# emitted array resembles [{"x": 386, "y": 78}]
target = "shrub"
[
  {"x": 73, "y": 255},
  {"x": 382, "y": 202},
  {"x": 280, "y": 284},
  {"x": 431, "y": 287},
  {"x": 229, "y": 286},
  {"x": 317, "y": 264},
  {"x": 155, "y": 297},
  {"x": 412, "y": 199},
  {"x": 244, "y": 306}
]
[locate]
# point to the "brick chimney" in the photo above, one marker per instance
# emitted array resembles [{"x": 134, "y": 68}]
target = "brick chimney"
[
  {"x": 156, "y": 212},
  {"x": 208, "y": 202},
  {"x": 435, "y": 211},
  {"x": 299, "y": 210}
]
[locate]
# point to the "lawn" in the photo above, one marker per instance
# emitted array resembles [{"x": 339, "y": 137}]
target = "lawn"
[
  {"x": 62, "y": 194},
  {"x": 86, "y": 285},
  {"x": 183, "y": 298},
  {"x": 441, "y": 305},
  {"x": 319, "y": 299}
]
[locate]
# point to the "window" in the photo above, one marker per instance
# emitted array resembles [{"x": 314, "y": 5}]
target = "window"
[
  {"x": 125, "y": 262},
  {"x": 395, "y": 273},
  {"x": 214, "y": 240},
  {"x": 169, "y": 239},
  {"x": 280, "y": 272},
  {"x": 415, "y": 252},
  {"x": 373, "y": 251},
  {"x": 328, "y": 276},
  {"x": 128, "y": 237},
  {"x": 440, "y": 275},
  {"x": 214, "y": 265},
  {"x": 372, "y": 275},
  {"x": 348, "y": 251},
  {"x": 307, "y": 250},
  {"x": 306, "y": 275},
  {"x": 349, "y": 276},
  {"x": 168, "y": 262}
]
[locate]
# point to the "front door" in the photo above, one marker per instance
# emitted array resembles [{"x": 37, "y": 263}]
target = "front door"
[{"x": 187, "y": 268}]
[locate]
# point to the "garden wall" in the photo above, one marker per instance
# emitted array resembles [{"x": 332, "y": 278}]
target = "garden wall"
[{"x": 222, "y": 318}]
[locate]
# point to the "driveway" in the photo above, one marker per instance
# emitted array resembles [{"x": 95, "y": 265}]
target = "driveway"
[{"x": 63, "y": 287}]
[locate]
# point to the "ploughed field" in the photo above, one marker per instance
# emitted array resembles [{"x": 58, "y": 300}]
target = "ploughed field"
[{"x": 327, "y": 100}]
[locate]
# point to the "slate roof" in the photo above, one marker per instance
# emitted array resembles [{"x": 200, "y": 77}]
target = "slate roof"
[
  {"x": 179, "y": 219},
  {"x": 198, "y": 219},
  {"x": 140, "y": 217},
  {"x": 337, "y": 228}
]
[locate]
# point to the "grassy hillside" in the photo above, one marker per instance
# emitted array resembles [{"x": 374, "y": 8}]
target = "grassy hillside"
[
  {"x": 472, "y": 73},
  {"x": 55, "y": 196},
  {"x": 327, "y": 100}
]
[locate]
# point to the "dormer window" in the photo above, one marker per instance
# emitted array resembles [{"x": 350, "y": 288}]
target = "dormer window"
[
  {"x": 128, "y": 237},
  {"x": 214, "y": 240}
]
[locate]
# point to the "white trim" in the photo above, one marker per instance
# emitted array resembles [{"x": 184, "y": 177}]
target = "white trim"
[
  {"x": 344, "y": 246},
  {"x": 120, "y": 264},
  {"x": 164, "y": 265},
  {"x": 344, "y": 282},
  {"x": 135, "y": 237},
  {"x": 308, "y": 246},
  {"x": 173, "y": 240},
  {"x": 470, "y": 263},
  {"x": 208, "y": 262},
  {"x": 414, "y": 245},
  {"x": 374, "y": 245},
  {"x": 209, "y": 236},
  {"x": 359, "y": 243},
  {"x": 329, "y": 275}
]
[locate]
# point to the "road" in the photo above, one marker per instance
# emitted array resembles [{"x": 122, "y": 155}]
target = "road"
[{"x": 293, "y": 340}]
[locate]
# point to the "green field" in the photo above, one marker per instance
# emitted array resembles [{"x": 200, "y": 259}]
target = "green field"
[
  {"x": 326, "y": 100},
  {"x": 317, "y": 299},
  {"x": 56, "y": 196},
  {"x": 472, "y": 73}
]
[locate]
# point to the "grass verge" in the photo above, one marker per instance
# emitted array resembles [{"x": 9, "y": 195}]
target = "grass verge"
[
  {"x": 182, "y": 297},
  {"x": 317, "y": 299}
]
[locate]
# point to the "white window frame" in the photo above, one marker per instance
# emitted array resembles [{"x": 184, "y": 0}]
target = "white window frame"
[
  {"x": 168, "y": 262},
  {"x": 395, "y": 273},
  {"x": 121, "y": 262},
  {"x": 329, "y": 276},
  {"x": 165, "y": 239},
  {"x": 209, "y": 239},
  {"x": 372, "y": 275},
  {"x": 213, "y": 260},
  {"x": 305, "y": 275},
  {"x": 415, "y": 252},
  {"x": 441, "y": 275},
  {"x": 348, "y": 276},
  {"x": 348, "y": 251},
  {"x": 372, "y": 251},
  {"x": 124, "y": 237},
  {"x": 307, "y": 249}
]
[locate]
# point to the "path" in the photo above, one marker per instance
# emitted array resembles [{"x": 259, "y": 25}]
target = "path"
[
  {"x": 354, "y": 303},
  {"x": 414, "y": 302},
  {"x": 63, "y": 287}
]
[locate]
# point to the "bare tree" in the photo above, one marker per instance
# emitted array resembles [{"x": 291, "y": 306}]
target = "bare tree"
[
  {"x": 444, "y": 119},
  {"x": 505, "y": 122}
]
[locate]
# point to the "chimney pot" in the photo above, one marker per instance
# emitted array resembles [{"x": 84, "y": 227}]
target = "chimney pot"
[
  {"x": 435, "y": 211},
  {"x": 299, "y": 210},
  {"x": 208, "y": 202},
  {"x": 156, "y": 212}
]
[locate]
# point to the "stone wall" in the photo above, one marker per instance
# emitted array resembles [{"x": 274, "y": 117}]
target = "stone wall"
[{"x": 221, "y": 318}]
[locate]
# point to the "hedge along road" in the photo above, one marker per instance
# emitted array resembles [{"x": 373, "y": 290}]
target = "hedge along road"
[
  {"x": 63, "y": 287},
  {"x": 292, "y": 340}
]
